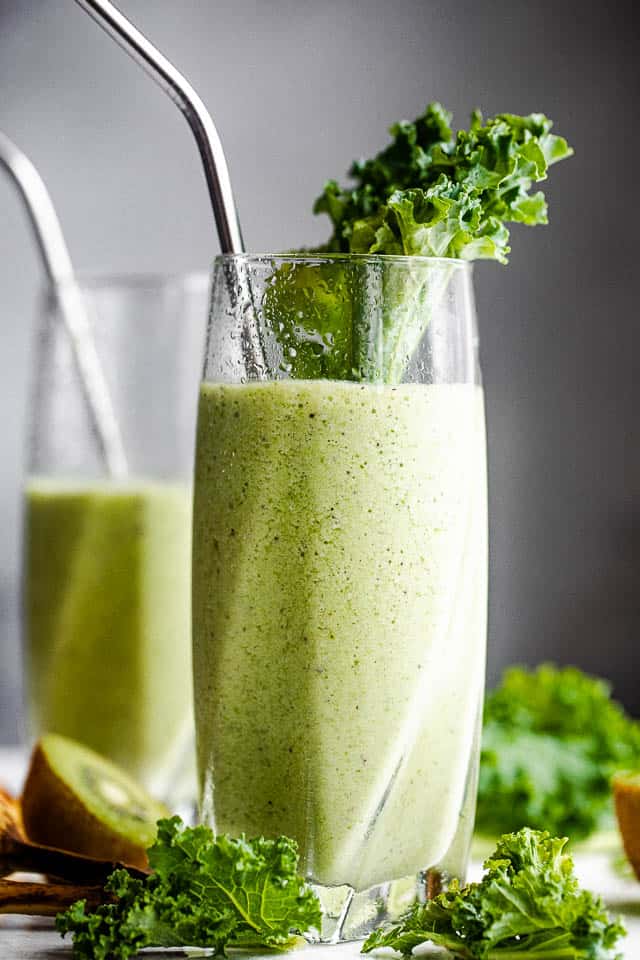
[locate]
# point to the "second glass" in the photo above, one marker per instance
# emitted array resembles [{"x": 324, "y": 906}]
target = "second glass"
[
  {"x": 107, "y": 561},
  {"x": 340, "y": 571}
]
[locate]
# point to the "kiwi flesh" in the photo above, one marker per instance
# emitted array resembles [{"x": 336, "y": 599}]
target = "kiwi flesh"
[{"x": 77, "y": 800}]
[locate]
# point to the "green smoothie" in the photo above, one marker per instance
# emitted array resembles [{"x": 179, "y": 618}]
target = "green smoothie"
[
  {"x": 339, "y": 605},
  {"x": 107, "y": 619}
]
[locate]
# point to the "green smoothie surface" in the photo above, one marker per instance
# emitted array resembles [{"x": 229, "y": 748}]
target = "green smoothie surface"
[
  {"x": 339, "y": 604},
  {"x": 107, "y": 618}
]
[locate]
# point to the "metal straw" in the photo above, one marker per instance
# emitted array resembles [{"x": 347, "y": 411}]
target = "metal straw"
[
  {"x": 59, "y": 270},
  {"x": 196, "y": 114}
]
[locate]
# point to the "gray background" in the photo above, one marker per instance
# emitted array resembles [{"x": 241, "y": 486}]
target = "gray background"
[{"x": 298, "y": 89}]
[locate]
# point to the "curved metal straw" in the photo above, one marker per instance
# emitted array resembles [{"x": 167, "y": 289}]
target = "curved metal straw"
[
  {"x": 196, "y": 114},
  {"x": 59, "y": 270}
]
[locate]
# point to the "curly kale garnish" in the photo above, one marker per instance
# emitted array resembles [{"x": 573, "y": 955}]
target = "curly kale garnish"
[
  {"x": 528, "y": 906},
  {"x": 205, "y": 891},
  {"x": 551, "y": 740},
  {"x": 435, "y": 195},
  {"x": 427, "y": 194}
]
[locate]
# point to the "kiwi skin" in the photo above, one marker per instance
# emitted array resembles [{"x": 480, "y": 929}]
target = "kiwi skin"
[
  {"x": 56, "y": 816},
  {"x": 626, "y": 793}
]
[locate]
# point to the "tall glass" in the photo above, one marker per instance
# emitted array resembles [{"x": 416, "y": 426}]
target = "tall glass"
[
  {"x": 107, "y": 561},
  {"x": 340, "y": 571}
]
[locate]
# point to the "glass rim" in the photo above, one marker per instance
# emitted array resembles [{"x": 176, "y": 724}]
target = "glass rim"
[
  {"x": 138, "y": 280},
  {"x": 325, "y": 257}
]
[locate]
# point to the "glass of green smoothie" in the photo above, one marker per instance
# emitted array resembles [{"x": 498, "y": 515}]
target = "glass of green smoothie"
[
  {"x": 107, "y": 559},
  {"x": 340, "y": 571}
]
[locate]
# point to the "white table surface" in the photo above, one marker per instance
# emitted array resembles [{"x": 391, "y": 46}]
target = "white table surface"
[{"x": 23, "y": 938}]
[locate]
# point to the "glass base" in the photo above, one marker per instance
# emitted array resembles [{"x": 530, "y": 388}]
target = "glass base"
[{"x": 348, "y": 914}]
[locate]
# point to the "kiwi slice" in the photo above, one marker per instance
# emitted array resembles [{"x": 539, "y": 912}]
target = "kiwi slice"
[
  {"x": 76, "y": 800},
  {"x": 626, "y": 793}
]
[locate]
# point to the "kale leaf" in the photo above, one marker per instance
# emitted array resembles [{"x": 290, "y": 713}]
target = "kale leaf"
[
  {"x": 528, "y": 905},
  {"x": 435, "y": 195},
  {"x": 204, "y": 891},
  {"x": 427, "y": 194},
  {"x": 551, "y": 740}
]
